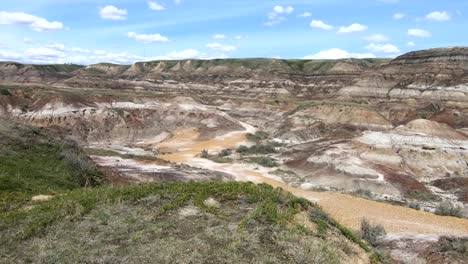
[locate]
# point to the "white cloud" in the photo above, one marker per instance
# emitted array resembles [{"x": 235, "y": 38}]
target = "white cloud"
[
  {"x": 352, "y": 28},
  {"x": 320, "y": 24},
  {"x": 80, "y": 50},
  {"x": 377, "y": 38},
  {"x": 438, "y": 16},
  {"x": 44, "y": 54},
  {"x": 155, "y": 6},
  {"x": 147, "y": 38},
  {"x": 113, "y": 13},
  {"x": 286, "y": 10},
  {"x": 220, "y": 47},
  {"x": 99, "y": 52},
  {"x": 334, "y": 54},
  {"x": 4, "y": 55},
  {"x": 56, "y": 46},
  {"x": 178, "y": 55},
  {"x": 278, "y": 15},
  {"x": 239, "y": 37},
  {"x": 177, "y": 2},
  {"x": 34, "y": 22},
  {"x": 27, "y": 40},
  {"x": 419, "y": 33},
  {"x": 411, "y": 44},
  {"x": 305, "y": 14},
  {"x": 384, "y": 48},
  {"x": 219, "y": 36},
  {"x": 399, "y": 16}
]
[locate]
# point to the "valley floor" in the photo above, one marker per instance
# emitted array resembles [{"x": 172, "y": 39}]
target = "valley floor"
[{"x": 347, "y": 209}]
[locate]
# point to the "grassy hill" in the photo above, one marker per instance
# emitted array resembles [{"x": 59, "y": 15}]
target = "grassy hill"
[{"x": 36, "y": 162}]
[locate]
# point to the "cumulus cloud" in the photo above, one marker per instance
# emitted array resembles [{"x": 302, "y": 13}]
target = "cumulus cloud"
[
  {"x": 113, "y": 13},
  {"x": 5, "y": 56},
  {"x": 155, "y": 6},
  {"x": 219, "y": 36},
  {"x": 335, "y": 53},
  {"x": 147, "y": 38},
  {"x": 419, "y": 33},
  {"x": 305, "y": 14},
  {"x": 178, "y": 55},
  {"x": 80, "y": 50},
  {"x": 384, "y": 48},
  {"x": 34, "y": 22},
  {"x": 56, "y": 46},
  {"x": 44, "y": 54},
  {"x": 352, "y": 28},
  {"x": 320, "y": 24},
  {"x": 286, "y": 10},
  {"x": 377, "y": 38},
  {"x": 438, "y": 16},
  {"x": 411, "y": 44},
  {"x": 398, "y": 16},
  {"x": 278, "y": 14},
  {"x": 220, "y": 47}
]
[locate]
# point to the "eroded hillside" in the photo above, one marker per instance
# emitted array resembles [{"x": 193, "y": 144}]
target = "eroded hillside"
[{"x": 393, "y": 131}]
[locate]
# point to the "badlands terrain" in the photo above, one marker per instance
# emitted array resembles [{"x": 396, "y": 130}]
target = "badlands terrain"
[{"x": 377, "y": 139}]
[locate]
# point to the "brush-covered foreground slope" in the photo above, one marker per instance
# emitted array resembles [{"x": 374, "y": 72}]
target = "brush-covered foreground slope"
[
  {"x": 209, "y": 222},
  {"x": 36, "y": 162}
]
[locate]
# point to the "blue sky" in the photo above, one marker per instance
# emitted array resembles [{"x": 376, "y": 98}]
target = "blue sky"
[{"x": 91, "y": 31}]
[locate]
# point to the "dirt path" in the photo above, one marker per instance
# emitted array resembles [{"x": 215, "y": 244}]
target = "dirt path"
[{"x": 348, "y": 210}]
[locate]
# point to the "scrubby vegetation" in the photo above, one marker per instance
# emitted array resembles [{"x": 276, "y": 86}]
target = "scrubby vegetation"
[
  {"x": 58, "y": 68},
  {"x": 264, "y": 161},
  {"x": 33, "y": 162},
  {"x": 153, "y": 223},
  {"x": 452, "y": 250},
  {"x": 449, "y": 209},
  {"x": 112, "y": 153},
  {"x": 258, "y": 136},
  {"x": 371, "y": 232},
  {"x": 221, "y": 157},
  {"x": 5, "y": 92},
  {"x": 257, "y": 149},
  {"x": 366, "y": 194},
  {"x": 421, "y": 196}
]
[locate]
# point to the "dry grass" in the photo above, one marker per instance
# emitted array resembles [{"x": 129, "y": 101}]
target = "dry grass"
[{"x": 170, "y": 223}]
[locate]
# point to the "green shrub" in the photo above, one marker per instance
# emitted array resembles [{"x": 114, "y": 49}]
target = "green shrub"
[
  {"x": 371, "y": 232},
  {"x": 414, "y": 205},
  {"x": 258, "y": 136},
  {"x": 220, "y": 158},
  {"x": 363, "y": 193},
  {"x": 448, "y": 209},
  {"x": 257, "y": 149},
  {"x": 5, "y": 91},
  {"x": 454, "y": 245},
  {"x": 264, "y": 161},
  {"x": 224, "y": 153},
  {"x": 204, "y": 154}
]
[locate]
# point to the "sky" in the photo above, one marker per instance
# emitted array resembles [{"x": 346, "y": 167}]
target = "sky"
[{"x": 126, "y": 31}]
